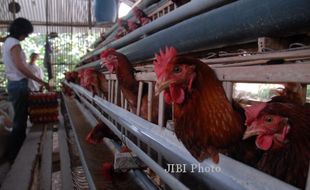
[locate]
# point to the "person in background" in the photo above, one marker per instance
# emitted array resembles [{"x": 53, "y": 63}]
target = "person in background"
[
  {"x": 37, "y": 71},
  {"x": 18, "y": 74}
]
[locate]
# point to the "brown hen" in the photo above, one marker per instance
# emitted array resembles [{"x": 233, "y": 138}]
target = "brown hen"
[
  {"x": 205, "y": 121},
  {"x": 120, "y": 65},
  {"x": 283, "y": 132}
]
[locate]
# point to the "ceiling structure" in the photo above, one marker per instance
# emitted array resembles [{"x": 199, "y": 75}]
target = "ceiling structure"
[{"x": 60, "y": 16}]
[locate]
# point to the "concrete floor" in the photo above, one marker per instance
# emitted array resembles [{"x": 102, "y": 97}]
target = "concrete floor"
[{"x": 5, "y": 167}]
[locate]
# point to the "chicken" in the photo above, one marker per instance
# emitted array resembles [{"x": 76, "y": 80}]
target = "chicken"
[
  {"x": 96, "y": 135},
  {"x": 180, "y": 2},
  {"x": 72, "y": 77},
  {"x": 132, "y": 26},
  {"x": 122, "y": 29},
  {"x": 142, "y": 18},
  {"x": 292, "y": 92},
  {"x": 119, "y": 64},
  {"x": 89, "y": 80},
  {"x": 119, "y": 179},
  {"x": 283, "y": 133},
  {"x": 103, "y": 84},
  {"x": 205, "y": 121},
  {"x": 107, "y": 171}
]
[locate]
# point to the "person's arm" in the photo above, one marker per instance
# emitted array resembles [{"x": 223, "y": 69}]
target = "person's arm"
[{"x": 16, "y": 52}]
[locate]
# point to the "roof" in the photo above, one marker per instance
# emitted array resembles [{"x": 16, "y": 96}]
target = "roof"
[{"x": 63, "y": 15}]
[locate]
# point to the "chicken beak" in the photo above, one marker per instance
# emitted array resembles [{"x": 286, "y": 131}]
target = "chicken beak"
[
  {"x": 161, "y": 85},
  {"x": 252, "y": 131}
]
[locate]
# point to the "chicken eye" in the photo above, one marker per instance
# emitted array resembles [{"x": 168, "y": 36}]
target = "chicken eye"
[
  {"x": 269, "y": 119},
  {"x": 177, "y": 69}
]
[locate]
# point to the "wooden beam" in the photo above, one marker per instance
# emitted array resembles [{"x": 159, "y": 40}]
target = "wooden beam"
[
  {"x": 267, "y": 43},
  {"x": 69, "y": 24},
  {"x": 228, "y": 87},
  {"x": 266, "y": 73},
  {"x": 45, "y": 181},
  {"x": 65, "y": 164},
  {"x": 294, "y": 72},
  {"x": 264, "y": 56}
]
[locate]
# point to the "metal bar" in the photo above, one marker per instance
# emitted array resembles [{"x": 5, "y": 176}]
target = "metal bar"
[
  {"x": 139, "y": 97},
  {"x": 161, "y": 110},
  {"x": 126, "y": 105},
  {"x": 122, "y": 100},
  {"x": 138, "y": 175},
  {"x": 168, "y": 178},
  {"x": 89, "y": 14},
  {"x": 109, "y": 90},
  {"x": 116, "y": 92},
  {"x": 149, "y": 101},
  {"x": 82, "y": 157},
  {"x": 14, "y": 10},
  {"x": 112, "y": 90}
]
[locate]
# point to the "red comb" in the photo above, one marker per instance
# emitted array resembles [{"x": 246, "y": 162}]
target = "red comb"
[
  {"x": 107, "y": 170},
  {"x": 106, "y": 53},
  {"x": 252, "y": 112},
  {"x": 162, "y": 59}
]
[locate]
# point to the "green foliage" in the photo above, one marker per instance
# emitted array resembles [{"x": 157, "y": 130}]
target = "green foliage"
[
  {"x": 264, "y": 93},
  {"x": 67, "y": 49},
  {"x": 34, "y": 43}
]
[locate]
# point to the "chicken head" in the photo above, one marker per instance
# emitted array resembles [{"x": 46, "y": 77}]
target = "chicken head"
[
  {"x": 271, "y": 130},
  {"x": 109, "y": 60},
  {"x": 175, "y": 75}
]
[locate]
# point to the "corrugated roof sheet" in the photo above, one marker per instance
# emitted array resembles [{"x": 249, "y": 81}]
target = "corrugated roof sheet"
[{"x": 63, "y": 15}]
